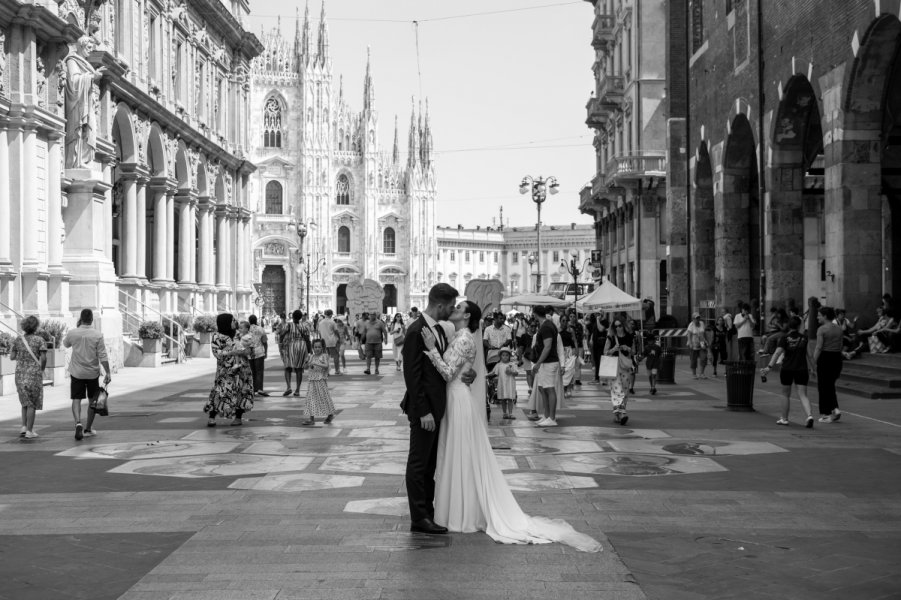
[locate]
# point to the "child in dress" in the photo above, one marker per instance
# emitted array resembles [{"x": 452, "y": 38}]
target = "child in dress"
[
  {"x": 652, "y": 352},
  {"x": 319, "y": 402},
  {"x": 506, "y": 373}
]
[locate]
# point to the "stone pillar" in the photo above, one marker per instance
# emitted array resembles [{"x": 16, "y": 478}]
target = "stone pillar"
[
  {"x": 29, "y": 201},
  {"x": 131, "y": 216},
  {"x": 54, "y": 204},
  {"x": 206, "y": 243},
  {"x": 784, "y": 241},
  {"x": 646, "y": 246},
  {"x": 84, "y": 256},
  {"x": 222, "y": 247},
  {"x": 160, "y": 231},
  {"x": 141, "y": 229},
  {"x": 240, "y": 258},
  {"x": 185, "y": 237},
  {"x": 5, "y": 203},
  {"x": 170, "y": 235}
]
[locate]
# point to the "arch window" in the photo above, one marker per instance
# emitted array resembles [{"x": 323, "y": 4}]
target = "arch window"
[
  {"x": 272, "y": 124},
  {"x": 388, "y": 241},
  {"x": 344, "y": 240},
  {"x": 273, "y": 198},
  {"x": 342, "y": 190}
]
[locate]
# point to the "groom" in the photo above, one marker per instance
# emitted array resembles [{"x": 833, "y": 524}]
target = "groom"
[{"x": 424, "y": 405}]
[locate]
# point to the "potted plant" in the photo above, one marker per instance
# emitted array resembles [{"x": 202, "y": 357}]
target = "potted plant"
[
  {"x": 204, "y": 326},
  {"x": 150, "y": 333},
  {"x": 7, "y": 366},
  {"x": 53, "y": 333}
]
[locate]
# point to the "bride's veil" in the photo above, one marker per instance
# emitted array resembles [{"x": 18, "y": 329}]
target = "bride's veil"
[{"x": 479, "y": 385}]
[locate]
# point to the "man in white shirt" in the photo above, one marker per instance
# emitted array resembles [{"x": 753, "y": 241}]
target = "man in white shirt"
[
  {"x": 260, "y": 350},
  {"x": 88, "y": 355},
  {"x": 744, "y": 323}
]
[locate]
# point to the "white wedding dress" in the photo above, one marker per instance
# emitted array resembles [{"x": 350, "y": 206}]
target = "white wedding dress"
[{"x": 471, "y": 493}]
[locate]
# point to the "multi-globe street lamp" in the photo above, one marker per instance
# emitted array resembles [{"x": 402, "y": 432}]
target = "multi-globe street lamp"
[
  {"x": 539, "y": 187},
  {"x": 304, "y": 267},
  {"x": 575, "y": 270}
]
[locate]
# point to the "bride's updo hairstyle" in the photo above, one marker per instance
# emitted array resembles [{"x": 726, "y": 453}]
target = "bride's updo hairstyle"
[{"x": 475, "y": 316}]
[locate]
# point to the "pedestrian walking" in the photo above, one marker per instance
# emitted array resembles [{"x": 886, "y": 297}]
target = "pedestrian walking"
[
  {"x": 30, "y": 354},
  {"x": 328, "y": 333},
  {"x": 375, "y": 334},
  {"x": 697, "y": 344},
  {"x": 319, "y": 401},
  {"x": 578, "y": 332},
  {"x": 88, "y": 356},
  {"x": 619, "y": 344},
  {"x": 343, "y": 338},
  {"x": 294, "y": 335},
  {"x": 260, "y": 347},
  {"x": 719, "y": 343},
  {"x": 828, "y": 358},
  {"x": 497, "y": 335},
  {"x": 744, "y": 325},
  {"x": 359, "y": 330},
  {"x": 597, "y": 338},
  {"x": 792, "y": 348},
  {"x": 524, "y": 344},
  {"x": 398, "y": 333},
  {"x": 232, "y": 392},
  {"x": 548, "y": 379},
  {"x": 651, "y": 355}
]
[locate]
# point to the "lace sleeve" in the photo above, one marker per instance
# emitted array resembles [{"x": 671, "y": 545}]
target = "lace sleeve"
[{"x": 461, "y": 351}]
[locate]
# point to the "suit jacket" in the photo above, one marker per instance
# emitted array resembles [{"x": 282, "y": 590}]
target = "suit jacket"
[{"x": 426, "y": 389}]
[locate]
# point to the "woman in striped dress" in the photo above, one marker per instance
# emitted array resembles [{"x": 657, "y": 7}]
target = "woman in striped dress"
[
  {"x": 294, "y": 336},
  {"x": 319, "y": 401}
]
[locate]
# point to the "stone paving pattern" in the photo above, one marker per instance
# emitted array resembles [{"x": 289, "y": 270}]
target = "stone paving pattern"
[{"x": 690, "y": 501}]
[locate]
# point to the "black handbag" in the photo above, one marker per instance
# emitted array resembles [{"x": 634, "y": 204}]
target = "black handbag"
[{"x": 100, "y": 402}]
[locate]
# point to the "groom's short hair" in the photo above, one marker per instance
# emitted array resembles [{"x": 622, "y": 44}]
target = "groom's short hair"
[{"x": 442, "y": 293}]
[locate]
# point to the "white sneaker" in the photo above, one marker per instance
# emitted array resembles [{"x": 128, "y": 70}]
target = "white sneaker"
[
  {"x": 22, "y": 431},
  {"x": 550, "y": 423},
  {"x": 542, "y": 422},
  {"x": 782, "y": 422},
  {"x": 90, "y": 432},
  {"x": 836, "y": 414},
  {"x": 30, "y": 435}
]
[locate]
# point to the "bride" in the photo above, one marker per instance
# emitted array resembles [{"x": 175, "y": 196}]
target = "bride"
[{"x": 471, "y": 493}]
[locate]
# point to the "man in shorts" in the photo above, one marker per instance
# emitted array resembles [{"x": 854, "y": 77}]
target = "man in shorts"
[
  {"x": 375, "y": 334},
  {"x": 328, "y": 333},
  {"x": 546, "y": 366},
  {"x": 652, "y": 352},
  {"x": 88, "y": 355}
]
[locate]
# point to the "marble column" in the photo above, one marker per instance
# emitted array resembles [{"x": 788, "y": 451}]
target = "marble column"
[
  {"x": 222, "y": 248},
  {"x": 160, "y": 230},
  {"x": 141, "y": 229},
  {"x": 29, "y": 204},
  {"x": 205, "y": 246},
  {"x": 185, "y": 237},
  {"x": 129, "y": 241},
  {"x": 170, "y": 235},
  {"x": 5, "y": 212},
  {"x": 54, "y": 204}
]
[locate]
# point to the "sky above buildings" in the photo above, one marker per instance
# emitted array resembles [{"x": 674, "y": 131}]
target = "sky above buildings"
[{"x": 506, "y": 90}]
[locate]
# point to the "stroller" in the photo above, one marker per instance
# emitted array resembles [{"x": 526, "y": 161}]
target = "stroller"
[{"x": 490, "y": 394}]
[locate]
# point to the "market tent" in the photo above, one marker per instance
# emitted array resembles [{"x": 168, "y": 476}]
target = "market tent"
[
  {"x": 608, "y": 297},
  {"x": 534, "y": 300}
]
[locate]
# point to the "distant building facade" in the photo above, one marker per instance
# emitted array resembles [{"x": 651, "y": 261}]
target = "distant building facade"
[
  {"x": 123, "y": 159},
  {"x": 627, "y": 195},
  {"x": 368, "y": 213},
  {"x": 503, "y": 253}
]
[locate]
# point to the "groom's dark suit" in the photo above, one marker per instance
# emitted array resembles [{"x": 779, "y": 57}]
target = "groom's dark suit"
[{"x": 426, "y": 393}]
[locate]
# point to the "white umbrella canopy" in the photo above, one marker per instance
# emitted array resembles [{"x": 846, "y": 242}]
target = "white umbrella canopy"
[
  {"x": 608, "y": 297},
  {"x": 534, "y": 300}
]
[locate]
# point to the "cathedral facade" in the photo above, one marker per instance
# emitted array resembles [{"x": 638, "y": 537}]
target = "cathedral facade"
[{"x": 333, "y": 206}]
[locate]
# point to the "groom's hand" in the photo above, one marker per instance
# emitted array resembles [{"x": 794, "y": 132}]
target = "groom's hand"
[
  {"x": 468, "y": 377},
  {"x": 427, "y": 422}
]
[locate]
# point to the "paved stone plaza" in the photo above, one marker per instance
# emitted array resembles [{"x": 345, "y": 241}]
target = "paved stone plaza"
[{"x": 690, "y": 501}]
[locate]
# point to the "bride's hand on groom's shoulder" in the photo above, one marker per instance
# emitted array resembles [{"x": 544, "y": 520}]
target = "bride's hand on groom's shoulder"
[
  {"x": 428, "y": 339},
  {"x": 468, "y": 377}
]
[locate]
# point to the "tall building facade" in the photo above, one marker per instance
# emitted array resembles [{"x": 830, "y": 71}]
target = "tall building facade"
[
  {"x": 334, "y": 206},
  {"x": 784, "y": 151},
  {"x": 123, "y": 159},
  {"x": 627, "y": 195}
]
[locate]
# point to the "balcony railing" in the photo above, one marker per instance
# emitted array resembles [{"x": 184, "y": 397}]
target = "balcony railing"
[
  {"x": 603, "y": 30},
  {"x": 597, "y": 113},
  {"x": 611, "y": 89},
  {"x": 635, "y": 166}
]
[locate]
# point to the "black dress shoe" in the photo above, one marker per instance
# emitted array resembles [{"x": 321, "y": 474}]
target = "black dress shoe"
[{"x": 427, "y": 526}]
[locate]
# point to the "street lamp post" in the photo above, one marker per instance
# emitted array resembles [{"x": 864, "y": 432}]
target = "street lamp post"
[
  {"x": 539, "y": 188},
  {"x": 532, "y": 266},
  {"x": 303, "y": 228},
  {"x": 575, "y": 270}
]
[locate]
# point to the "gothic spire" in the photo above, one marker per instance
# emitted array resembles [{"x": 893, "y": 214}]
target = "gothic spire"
[
  {"x": 426, "y": 143},
  {"x": 395, "y": 154},
  {"x": 340, "y": 90},
  {"x": 322, "y": 47},
  {"x": 306, "y": 42},
  {"x": 368, "y": 88},
  {"x": 413, "y": 140},
  {"x": 298, "y": 40}
]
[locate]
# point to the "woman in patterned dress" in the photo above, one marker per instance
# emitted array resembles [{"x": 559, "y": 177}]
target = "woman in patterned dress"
[
  {"x": 319, "y": 402},
  {"x": 29, "y": 373},
  {"x": 294, "y": 336},
  {"x": 232, "y": 393}
]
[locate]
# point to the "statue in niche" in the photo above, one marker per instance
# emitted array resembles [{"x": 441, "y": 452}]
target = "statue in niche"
[{"x": 81, "y": 98}]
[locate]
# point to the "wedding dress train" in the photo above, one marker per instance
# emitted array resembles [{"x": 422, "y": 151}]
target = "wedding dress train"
[{"x": 471, "y": 493}]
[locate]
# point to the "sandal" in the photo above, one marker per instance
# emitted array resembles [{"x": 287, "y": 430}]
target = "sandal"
[
  {"x": 329, "y": 419},
  {"x": 308, "y": 422},
  {"x": 287, "y": 392},
  {"x": 211, "y": 423}
]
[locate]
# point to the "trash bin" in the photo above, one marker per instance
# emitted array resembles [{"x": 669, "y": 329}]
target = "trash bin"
[
  {"x": 740, "y": 384},
  {"x": 666, "y": 370}
]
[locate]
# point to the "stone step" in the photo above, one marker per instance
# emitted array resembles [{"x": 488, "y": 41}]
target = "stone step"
[
  {"x": 872, "y": 376},
  {"x": 866, "y": 390}
]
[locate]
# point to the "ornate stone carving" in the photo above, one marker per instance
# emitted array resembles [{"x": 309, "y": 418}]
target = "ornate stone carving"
[
  {"x": 81, "y": 105},
  {"x": 40, "y": 83},
  {"x": 228, "y": 188},
  {"x": 177, "y": 11},
  {"x": 275, "y": 249},
  {"x": 194, "y": 161},
  {"x": 3, "y": 68},
  {"x": 142, "y": 132},
  {"x": 60, "y": 72}
]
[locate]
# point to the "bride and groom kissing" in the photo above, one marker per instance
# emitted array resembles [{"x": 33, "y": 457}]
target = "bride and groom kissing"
[{"x": 453, "y": 480}]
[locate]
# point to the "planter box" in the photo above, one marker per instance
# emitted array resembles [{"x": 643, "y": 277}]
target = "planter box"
[
  {"x": 201, "y": 346},
  {"x": 55, "y": 370},
  {"x": 7, "y": 375},
  {"x": 152, "y": 354}
]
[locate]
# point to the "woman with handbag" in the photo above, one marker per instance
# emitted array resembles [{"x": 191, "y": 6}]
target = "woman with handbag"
[
  {"x": 697, "y": 344},
  {"x": 398, "y": 332},
  {"x": 620, "y": 345},
  {"x": 30, "y": 354}
]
